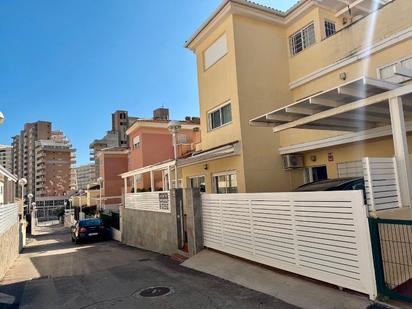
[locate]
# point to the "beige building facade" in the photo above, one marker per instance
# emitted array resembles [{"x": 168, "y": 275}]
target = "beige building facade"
[{"x": 259, "y": 60}]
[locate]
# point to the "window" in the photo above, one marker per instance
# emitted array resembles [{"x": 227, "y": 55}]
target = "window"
[
  {"x": 220, "y": 117},
  {"x": 350, "y": 169},
  {"x": 225, "y": 183},
  {"x": 330, "y": 28},
  {"x": 197, "y": 182},
  {"x": 302, "y": 39},
  {"x": 136, "y": 142},
  {"x": 215, "y": 52},
  {"x": 182, "y": 139}
]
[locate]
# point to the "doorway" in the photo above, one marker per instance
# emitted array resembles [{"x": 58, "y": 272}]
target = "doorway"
[{"x": 316, "y": 173}]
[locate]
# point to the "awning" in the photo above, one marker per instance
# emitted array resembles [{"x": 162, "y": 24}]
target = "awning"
[
  {"x": 231, "y": 149},
  {"x": 355, "y": 106}
]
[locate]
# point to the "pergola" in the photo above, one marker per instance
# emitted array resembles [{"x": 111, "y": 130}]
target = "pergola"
[
  {"x": 354, "y": 7},
  {"x": 355, "y": 106},
  {"x": 166, "y": 166}
]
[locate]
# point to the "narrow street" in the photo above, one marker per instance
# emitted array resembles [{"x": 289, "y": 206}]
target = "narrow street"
[{"x": 52, "y": 272}]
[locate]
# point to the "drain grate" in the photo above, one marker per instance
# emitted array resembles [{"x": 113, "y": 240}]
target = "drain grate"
[{"x": 155, "y": 291}]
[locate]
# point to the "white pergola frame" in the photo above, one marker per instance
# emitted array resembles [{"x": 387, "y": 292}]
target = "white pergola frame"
[
  {"x": 163, "y": 166},
  {"x": 359, "y": 5},
  {"x": 365, "y": 94}
]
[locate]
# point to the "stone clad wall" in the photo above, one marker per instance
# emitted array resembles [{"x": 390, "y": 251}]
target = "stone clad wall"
[
  {"x": 150, "y": 230},
  {"x": 9, "y": 248}
]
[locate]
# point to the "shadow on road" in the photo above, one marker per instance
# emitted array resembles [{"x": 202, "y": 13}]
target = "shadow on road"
[{"x": 53, "y": 272}]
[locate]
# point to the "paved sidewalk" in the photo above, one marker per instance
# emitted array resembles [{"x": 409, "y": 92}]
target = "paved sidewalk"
[{"x": 289, "y": 288}]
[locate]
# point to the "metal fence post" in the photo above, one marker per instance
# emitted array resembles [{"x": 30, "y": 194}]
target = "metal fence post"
[{"x": 377, "y": 254}]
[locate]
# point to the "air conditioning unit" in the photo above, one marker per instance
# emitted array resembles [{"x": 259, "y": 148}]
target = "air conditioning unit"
[{"x": 292, "y": 161}]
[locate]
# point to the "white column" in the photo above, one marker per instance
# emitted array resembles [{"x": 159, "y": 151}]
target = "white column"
[
  {"x": 135, "y": 183},
  {"x": 152, "y": 181},
  {"x": 401, "y": 149},
  {"x": 125, "y": 185},
  {"x": 169, "y": 177}
]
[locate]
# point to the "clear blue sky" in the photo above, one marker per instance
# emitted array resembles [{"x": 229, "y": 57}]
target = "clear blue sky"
[{"x": 74, "y": 62}]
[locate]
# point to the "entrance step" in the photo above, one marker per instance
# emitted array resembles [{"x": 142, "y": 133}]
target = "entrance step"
[{"x": 179, "y": 258}]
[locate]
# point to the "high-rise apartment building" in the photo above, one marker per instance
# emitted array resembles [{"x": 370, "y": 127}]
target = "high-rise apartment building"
[
  {"x": 84, "y": 175},
  {"x": 44, "y": 157},
  {"x": 54, "y": 159},
  {"x": 117, "y": 137},
  {"x": 6, "y": 157},
  {"x": 24, "y": 152}
]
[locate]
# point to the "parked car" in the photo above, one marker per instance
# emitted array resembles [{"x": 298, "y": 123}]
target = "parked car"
[
  {"x": 88, "y": 229},
  {"x": 340, "y": 184}
]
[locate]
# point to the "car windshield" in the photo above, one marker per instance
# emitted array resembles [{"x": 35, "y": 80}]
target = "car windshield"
[{"x": 90, "y": 222}]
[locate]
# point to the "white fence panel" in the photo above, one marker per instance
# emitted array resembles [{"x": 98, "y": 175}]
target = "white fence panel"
[
  {"x": 150, "y": 201},
  {"x": 8, "y": 216},
  {"x": 322, "y": 235},
  {"x": 381, "y": 183}
]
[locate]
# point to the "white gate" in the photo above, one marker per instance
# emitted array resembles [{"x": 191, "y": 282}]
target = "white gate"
[
  {"x": 8, "y": 216},
  {"x": 322, "y": 235},
  {"x": 381, "y": 183}
]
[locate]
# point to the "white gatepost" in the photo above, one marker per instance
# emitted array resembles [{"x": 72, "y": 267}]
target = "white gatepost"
[
  {"x": 152, "y": 181},
  {"x": 401, "y": 149}
]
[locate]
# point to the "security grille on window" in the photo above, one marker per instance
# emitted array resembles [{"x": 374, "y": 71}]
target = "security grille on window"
[
  {"x": 302, "y": 39},
  {"x": 220, "y": 117},
  {"x": 225, "y": 183},
  {"x": 182, "y": 139},
  {"x": 330, "y": 28}
]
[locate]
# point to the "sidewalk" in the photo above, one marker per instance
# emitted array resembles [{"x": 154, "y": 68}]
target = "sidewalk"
[{"x": 292, "y": 289}]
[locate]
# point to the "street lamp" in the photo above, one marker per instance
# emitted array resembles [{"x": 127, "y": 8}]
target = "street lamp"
[
  {"x": 22, "y": 183},
  {"x": 80, "y": 202},
  {"x": 174, "y": 128},
  {"x": 100, "y": 181},
  {"x": 34, "y": 213},
  {"x": 1, "y": 118},
  {"x": 30, "y": 196}
]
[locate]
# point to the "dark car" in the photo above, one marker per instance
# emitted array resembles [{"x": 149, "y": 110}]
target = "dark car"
[
  {"x": 340, "y": 184},
  {"x": 88, "y": 229}
]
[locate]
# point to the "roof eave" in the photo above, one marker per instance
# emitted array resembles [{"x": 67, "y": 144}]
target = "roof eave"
[{"x": 226, "y": 5}]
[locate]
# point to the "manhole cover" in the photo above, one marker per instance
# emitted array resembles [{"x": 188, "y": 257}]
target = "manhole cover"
[{"x": 155, "y": 291}]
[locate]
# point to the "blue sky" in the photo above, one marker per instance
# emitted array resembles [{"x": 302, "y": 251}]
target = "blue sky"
[{"x": 74, "y": 62}]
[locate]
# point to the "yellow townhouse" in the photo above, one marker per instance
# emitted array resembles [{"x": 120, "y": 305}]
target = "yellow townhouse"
[{"x": 272, "y": 68}]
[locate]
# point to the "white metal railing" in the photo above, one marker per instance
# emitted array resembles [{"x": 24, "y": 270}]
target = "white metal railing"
[
  {"x": 322, "y": 235},
  {"x": 381, "y": 183},
  {"x": 8, "y": 216},
  {"x": 150, "y": 201}
]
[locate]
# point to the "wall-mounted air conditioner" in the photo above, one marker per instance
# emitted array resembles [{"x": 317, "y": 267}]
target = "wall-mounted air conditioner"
[{"x": 292, "y": 161}]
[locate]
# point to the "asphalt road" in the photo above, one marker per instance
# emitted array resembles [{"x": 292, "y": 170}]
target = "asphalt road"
[{"x": 52, "y": 272}]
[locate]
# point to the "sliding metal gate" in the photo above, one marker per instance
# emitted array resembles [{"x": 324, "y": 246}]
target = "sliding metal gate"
[
  {"x": 321, "y": 235},
  {"x": 392, "y": 253}
]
